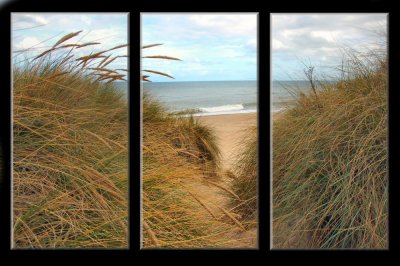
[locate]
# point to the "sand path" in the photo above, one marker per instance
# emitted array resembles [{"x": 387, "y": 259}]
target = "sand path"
[{"x": 230, "y": 131}]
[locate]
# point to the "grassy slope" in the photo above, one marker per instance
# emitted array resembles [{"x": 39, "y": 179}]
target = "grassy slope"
[
  {"x": 245, "y": 181},
  {"x": 70, "y": 159},
  {"x": 179, "y": 156},
  {"x": 330, "y": 165}
]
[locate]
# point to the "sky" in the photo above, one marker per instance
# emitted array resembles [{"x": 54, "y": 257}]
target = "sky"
[
  {"x": 39, "y": 31},
  {"x": 212, "y": 47},
  {"x": 318, "y": 39}
]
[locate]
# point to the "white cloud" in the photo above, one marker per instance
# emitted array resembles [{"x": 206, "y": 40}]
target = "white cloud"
[
  {"x": 27, "y": 20},
  {"x": 38, "y": 19},
  {"x": 330, "y": 36},
  {"x": 27, "y": 42},
  {"x": 288, "y": 34},
  {"x": 212, "y": 47},
  {"x": 276, "y": 44},
  {"x": 87, "y": 20},
  {"x": 238, "y": 24},
  {"x": 320, "y": 38},
  {"x": 110, "y": 29}
]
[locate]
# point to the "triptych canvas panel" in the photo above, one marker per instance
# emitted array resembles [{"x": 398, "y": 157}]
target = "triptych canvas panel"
[{"x": 200, "y": 137}]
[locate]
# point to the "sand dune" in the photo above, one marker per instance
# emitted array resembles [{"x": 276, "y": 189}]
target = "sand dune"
[{"x": 230, "y": 130}]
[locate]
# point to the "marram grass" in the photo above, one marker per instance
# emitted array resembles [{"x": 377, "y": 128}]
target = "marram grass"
[
  {"x": 183, "y": 204},
  {"x": 70, "y": 154},
  {"x": 330, "y": 171},
  {"x": 244, "y": 182}
]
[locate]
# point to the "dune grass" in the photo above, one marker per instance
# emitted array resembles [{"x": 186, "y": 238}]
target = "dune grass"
[
  {"x": 147, "y": 72},
  {"x": 70, "y": 151},
  {"x": 330, "y": 183},
  {"x": 182, "y": 206},
  {"x": 245, "y": 179}
]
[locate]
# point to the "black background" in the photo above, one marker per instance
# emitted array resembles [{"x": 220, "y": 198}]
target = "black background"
[{"x": 198, "y": 256}]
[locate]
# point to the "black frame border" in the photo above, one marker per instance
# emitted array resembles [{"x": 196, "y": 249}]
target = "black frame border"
[{"x": 371, "y": 6}]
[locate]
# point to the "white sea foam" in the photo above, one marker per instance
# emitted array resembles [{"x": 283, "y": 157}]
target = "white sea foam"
[
  {"x": 222, "y": 108},
  {"x": 227, "y": 113},
  {"x": 208, "y": 97}
]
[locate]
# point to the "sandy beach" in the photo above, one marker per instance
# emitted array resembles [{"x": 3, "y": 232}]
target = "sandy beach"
[{"x": 230, "y": 130}]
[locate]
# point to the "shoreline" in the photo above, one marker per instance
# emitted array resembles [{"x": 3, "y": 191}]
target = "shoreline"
[
  {"x": 219, "y": 113},
  {"x": 273, "y": 112},
  {"x": 230, "y": 130}
]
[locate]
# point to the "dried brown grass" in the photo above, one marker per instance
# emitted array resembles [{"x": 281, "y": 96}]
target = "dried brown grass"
[{"x": 70, "y": 155}]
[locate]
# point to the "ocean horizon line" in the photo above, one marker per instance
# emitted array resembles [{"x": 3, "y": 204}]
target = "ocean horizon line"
[
  {"x": 176, "y": 81},
  {"x": 236, "y": 112},
  {"x": 303, "y": 80},
  {"x": 207, "y": 96}
]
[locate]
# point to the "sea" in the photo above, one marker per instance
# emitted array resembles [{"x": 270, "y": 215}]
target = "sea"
[
  {"x": 207, "y": 97},
  {"x": 221, "y": 97},
  {"x": 284, "y": 92}
]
